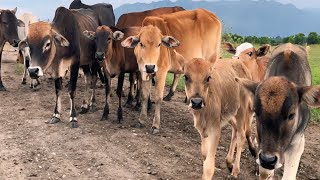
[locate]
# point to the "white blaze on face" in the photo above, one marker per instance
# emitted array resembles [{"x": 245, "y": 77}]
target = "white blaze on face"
[{"x": 242, "y": 47}]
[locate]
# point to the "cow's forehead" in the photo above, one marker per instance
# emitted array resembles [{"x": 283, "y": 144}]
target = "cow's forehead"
[
  {"x": 242, "y": 47},
  {"x": 150, "y": 33},
  {"x": 198, "y": 67},
  {"x": 38, "y": 31},
  {"x": 273, "y": 93}
]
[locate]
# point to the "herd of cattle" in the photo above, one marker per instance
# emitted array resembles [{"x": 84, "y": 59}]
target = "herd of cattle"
[{"x": 274, "y": 90}]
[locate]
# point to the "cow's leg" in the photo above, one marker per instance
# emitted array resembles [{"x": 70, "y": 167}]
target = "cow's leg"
[
  {"x": 25, "y": 66},
  {"x": 173, "y": 87},
  {"x": 145, "y": 90},
  {"x": 240, "y": 142},
  {"x": 130, "y": 94},
  {"x": 139, "y": 91},
  {"x": 2, "y": 88},
  {"x": 212, "y": 142},
  {"x": 74, "y": 71},
  {"x": 57, "y": 110},
  {"x": 119, "y": 94},
  {"x": 292, "y": 158},
  {"x": 160, "y": 83},
  {"x": 233, "y": 143},
  {"x": 101, "y": 75},
  {"x": 249, "y": 120},
  {"x": 107, "y": 91},
  {"x": 87, "y": 79}
]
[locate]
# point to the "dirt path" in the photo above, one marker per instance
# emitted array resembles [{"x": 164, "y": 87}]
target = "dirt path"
[{"x": 31, "y": 149}]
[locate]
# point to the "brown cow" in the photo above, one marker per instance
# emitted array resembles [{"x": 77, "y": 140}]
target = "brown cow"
[
  {"x": 216, "y": 100},
  {"x": 8, "y": 32},
  {"x": 282, "y": 112},
  {"x": 255, "y": 60},
  {"x": 136, "y": 19},
  {"x": 199, "y": 32}
]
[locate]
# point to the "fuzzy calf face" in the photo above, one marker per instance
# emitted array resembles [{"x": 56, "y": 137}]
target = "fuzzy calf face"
[
  {"x": 278, "y": 115},
  {"x": 197, "y": 74},
  {"x": 246, "y": 51},
  {"x": 147, "y": 47},
  {"x": 42, "y": 42}
]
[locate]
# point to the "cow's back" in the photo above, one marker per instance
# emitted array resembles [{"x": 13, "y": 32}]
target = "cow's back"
[
  {"x": 199, "y": 30},
  {"x": 291, "y": 61},
  {"x": 71, "y": 24},
  {"x": 136, "y": 18}
]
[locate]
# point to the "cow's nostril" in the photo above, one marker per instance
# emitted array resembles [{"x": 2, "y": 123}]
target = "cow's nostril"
[
  {"x": 150, "y": 68},
  {"x": 268, "y": 161},
  {"x": 196, "y": 103}
]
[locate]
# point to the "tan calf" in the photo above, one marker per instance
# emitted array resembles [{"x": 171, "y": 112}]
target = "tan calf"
[
  {"x": 198, "y": 33},
  {"x": 216, "y": 100}
]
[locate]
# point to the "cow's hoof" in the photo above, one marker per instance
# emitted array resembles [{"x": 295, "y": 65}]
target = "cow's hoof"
[
  {"x": 74, "y": 124},
  {"x": 231, "y": 177},
  {"x": 53, "y": 120},
  {"x": 2, "y": 88},
  {"x": 167, "y": 98},
  {"x": 230, "y": 166},
  {"x": 138, "y": 125},
  {"x": 24, "y": 81},
  {"x": 84, "y": 110},
  {"x": 120, "y": 116},
  {"x": 155, "y": 130}
]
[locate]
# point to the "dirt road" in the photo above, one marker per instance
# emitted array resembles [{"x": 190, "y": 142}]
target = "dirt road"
[{"x": 32, "y": 149}]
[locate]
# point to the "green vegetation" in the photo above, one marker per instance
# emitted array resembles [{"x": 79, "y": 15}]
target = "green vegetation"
[
  {"x": 19, "y": 69},
  {"x": 314, "y": 60}
]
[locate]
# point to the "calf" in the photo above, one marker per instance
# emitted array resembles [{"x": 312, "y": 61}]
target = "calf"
[
  {"x": 114, "y": 59},
  {"x": 281, "y": 107},
  {"x": 216, "y": 100},
  {"x": 8, "y": 32},
  {"x": 60, "y": 45},
  {"x": 255, "y": 60},
  {"x": 199, "y": 30}
]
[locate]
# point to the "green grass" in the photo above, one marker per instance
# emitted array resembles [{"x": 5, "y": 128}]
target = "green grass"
[
  {"x": 20, "y": 69},
  {"x": 314, "y": 61}
]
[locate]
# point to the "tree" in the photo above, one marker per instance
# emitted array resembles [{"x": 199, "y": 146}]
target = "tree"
[
  {"x": 289, "y": 39},
  {"x": 313, "y": 38},
  {"x": 300, "y": 39}
]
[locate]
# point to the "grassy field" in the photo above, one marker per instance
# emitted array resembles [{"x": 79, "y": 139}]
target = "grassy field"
[{"x": 314, "y": 60}]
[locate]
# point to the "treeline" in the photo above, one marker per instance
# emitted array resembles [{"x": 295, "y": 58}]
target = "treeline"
[{"x": 302, "y": 39}]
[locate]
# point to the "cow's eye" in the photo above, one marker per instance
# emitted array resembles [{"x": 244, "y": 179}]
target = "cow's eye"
[
  {"x": 250, "y": 54},
  {"x": 142, "y": 46},
  {"x": 159, "y": 45},
  {"x": 186, "y": 78},
  {"x": 291, "y": 116},
  {"x": 109, "y": 38},
  {"x": 47, "y": 45}
]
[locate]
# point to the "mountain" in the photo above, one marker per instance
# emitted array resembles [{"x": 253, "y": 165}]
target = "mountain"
[{"x": 246, "y": 17}]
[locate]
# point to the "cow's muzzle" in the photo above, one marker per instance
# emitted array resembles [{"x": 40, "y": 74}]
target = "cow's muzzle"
[
  {"x": 15, "y": 42},
  {"x": 196, "y": 103},
  {"x": 35, "y": 72},
  {"x": 100, "y": 56},
  {"x": 150, "y": 69},
  {"x": 268, "y": 161}
]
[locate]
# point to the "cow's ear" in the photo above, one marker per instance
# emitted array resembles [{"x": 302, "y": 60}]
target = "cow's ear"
[
  {"x": 89, "y": 34},
  {"x": 248, "y": 84},
  {"x": 20, "y": 23},
  {"x": 130, "y": 42},
  {"x": 60, "y": 40},
  {"x": 14, "y": 11},
  {"x": 310, "y": 95},
  {"x": 229, "y": 47},
  {"x": 263, "y": 50},
  {"x": 117, "y": 35},
  {"x": 23, "y": 44},
  {"x": 170, "y": 41}
]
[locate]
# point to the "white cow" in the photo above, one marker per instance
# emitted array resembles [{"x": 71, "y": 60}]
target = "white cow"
[{"x": 24, "y": 54}]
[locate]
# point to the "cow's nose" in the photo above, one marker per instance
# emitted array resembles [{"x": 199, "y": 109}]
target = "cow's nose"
[
  {"x": 196, "y": 103},
  {"x": 100, "y": 56},
  {"x": 15, "y": 42},
  {"x": 34, "y": 72},
  {"x": 150, "y": 68},
  {"x": 268, "y": 161}
]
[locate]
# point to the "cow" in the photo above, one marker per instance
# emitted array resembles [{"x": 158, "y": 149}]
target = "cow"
[
  {"x": 106, "y": 17},
  {"x": 24, "y": 54},
  {"x": 136, "y": 19},
  {"x": 281, "y": 105},
  {"x": 58, "y": 46},
  {"x": 8, "y": 32},
  {"x": 216, "y": 99},
  {"x": 199, "y": 30},
  {"x": 114, "y": 59},
  {"x": 255, "y": 60}
]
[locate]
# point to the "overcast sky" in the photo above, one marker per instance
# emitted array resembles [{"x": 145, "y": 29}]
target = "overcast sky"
[{"x": 45, "y": 8}]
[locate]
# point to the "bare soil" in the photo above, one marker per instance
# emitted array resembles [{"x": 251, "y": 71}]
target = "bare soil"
[{"x": 32, "y": 149}]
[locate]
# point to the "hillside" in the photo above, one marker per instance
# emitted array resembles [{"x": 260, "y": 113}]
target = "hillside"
[{"x": 246, "y": 17}]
